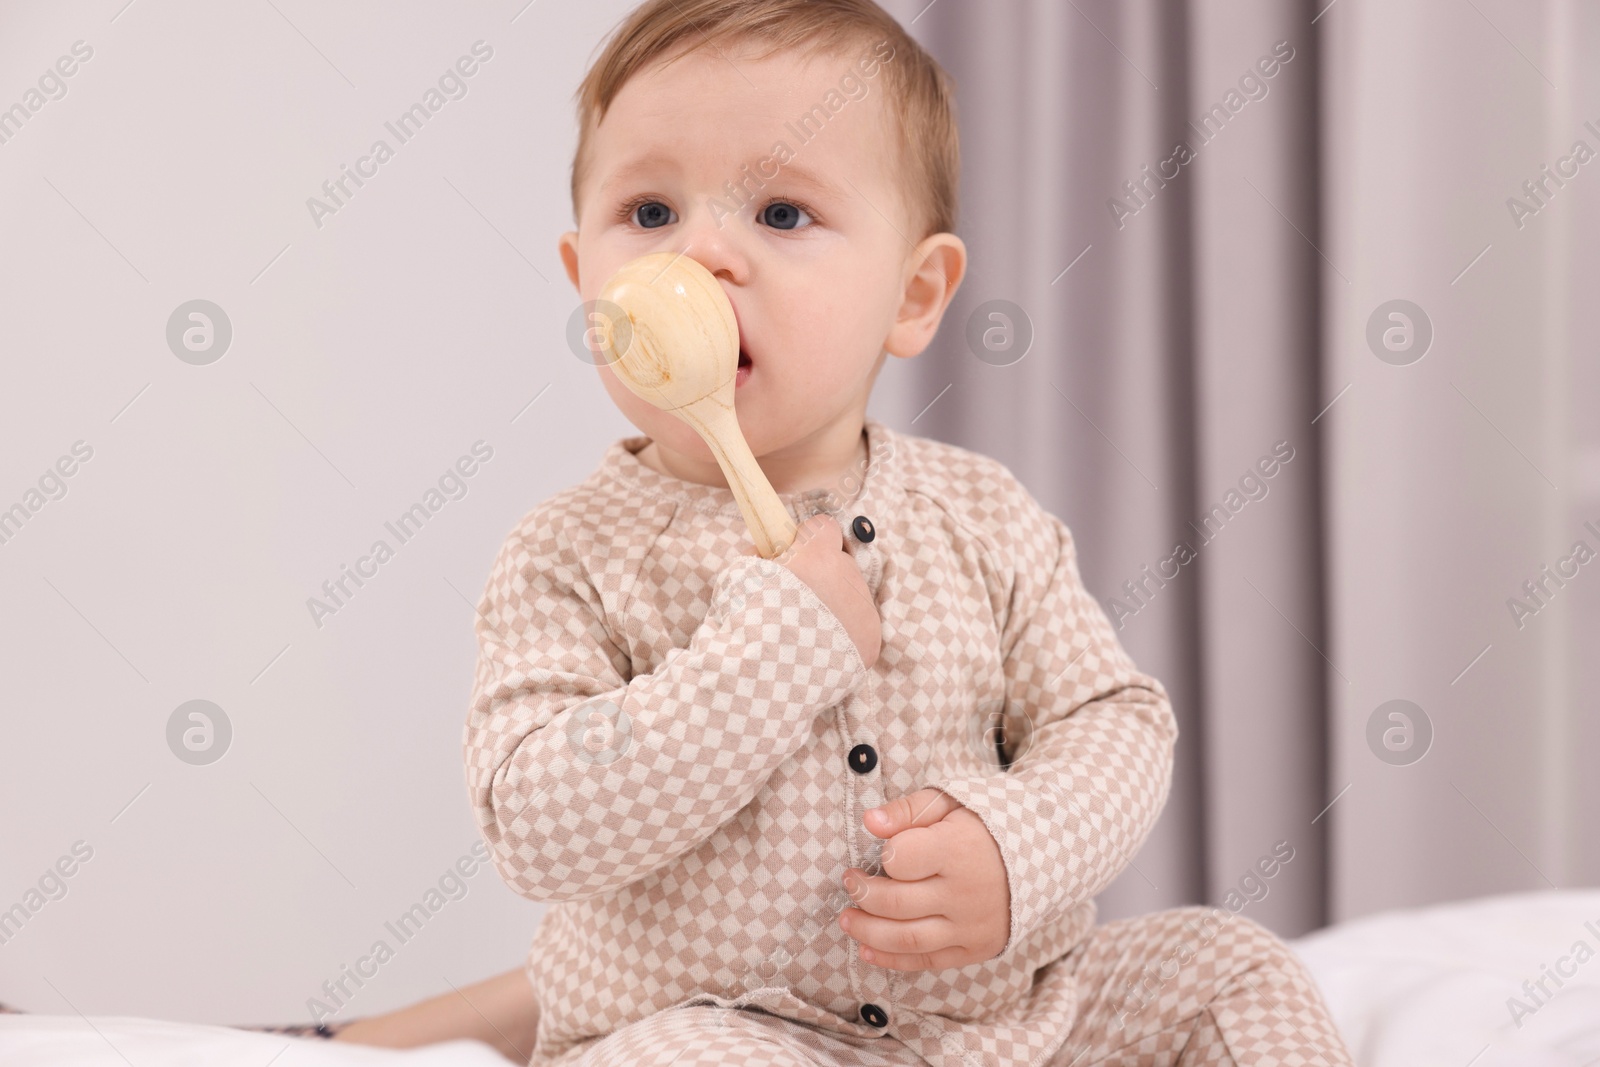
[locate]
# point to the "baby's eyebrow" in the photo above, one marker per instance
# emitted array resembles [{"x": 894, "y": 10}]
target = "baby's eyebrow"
[
  {"x": 760, "y": 167},
  {"x": 649, "y": 161},
  {"x": 802, "y": 175}
]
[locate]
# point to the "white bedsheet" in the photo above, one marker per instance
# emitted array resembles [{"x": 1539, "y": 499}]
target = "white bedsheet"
[
  {"x": 1409, "y": 988},
  {"x": 117, "y": 1041},
  {"x": 1429, "y": 986}
]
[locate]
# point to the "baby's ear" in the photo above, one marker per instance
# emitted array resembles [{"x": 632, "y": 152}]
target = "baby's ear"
[
  {"x": 933, "y": 274},
  {"x": 567, "y": 246}
]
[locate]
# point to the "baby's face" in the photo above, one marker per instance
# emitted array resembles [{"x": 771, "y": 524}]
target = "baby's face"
[{"x": 816, "y": 261}]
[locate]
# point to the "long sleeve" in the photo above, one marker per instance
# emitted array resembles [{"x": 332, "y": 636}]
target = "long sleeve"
[
  {"x": 1095, "y": 735},
  {"x": 584, "y": 780}
]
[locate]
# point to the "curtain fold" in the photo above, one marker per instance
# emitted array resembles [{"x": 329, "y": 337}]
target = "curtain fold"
[{"x": 1184, "y": 216}]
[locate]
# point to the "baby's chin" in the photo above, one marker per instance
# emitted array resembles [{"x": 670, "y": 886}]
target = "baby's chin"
[{"x": 670, "y": 432}]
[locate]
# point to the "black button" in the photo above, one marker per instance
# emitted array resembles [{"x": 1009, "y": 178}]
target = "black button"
[
  {"x": 863, "y": 758},
  {"x": 861, "y": 526},
  {"x": 874, "y": 1015}
]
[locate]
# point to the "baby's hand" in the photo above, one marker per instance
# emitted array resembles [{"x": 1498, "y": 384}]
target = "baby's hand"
[
  {"x": 818, "y": 558},
  {"x": 945, "y": 901}
]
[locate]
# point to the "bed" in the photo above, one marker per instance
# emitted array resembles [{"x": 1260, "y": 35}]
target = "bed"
[
  {"x": 1431, "y": 985},
  {"x": 1409, "y": 988}
]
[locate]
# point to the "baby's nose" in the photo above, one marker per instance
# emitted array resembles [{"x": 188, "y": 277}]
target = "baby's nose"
[{"x": 713, "y": 239}]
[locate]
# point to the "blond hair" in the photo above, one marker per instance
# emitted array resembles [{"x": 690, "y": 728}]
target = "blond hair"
[{"x": 920, "y": 93}]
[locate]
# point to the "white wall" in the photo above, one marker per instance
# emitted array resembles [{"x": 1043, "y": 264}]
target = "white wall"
[{"x": 367, "y": 355}]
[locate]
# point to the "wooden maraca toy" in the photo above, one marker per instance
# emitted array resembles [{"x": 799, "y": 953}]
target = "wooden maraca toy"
[{"x": 678, "y": 348}]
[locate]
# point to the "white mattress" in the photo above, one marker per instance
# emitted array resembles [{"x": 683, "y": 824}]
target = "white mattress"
[
  {"x": 1430, "y": 985},
  {"x": 1408, "y": 988},
  {"x": 117, "y": 1041}
]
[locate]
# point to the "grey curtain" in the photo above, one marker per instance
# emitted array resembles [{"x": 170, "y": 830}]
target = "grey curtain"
[{"x": 1298, "y": 508}]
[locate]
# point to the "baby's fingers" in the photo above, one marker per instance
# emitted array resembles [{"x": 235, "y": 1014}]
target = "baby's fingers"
[{"x": 914, "y": 854}]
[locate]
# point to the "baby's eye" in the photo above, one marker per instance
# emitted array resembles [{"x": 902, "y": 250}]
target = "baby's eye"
[
  {"x": 652, "y": 214},
  {"x": 783, "y": 215}
]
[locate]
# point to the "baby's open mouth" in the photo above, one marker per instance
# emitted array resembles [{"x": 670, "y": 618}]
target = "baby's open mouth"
[{"x": 744, "y": 369}]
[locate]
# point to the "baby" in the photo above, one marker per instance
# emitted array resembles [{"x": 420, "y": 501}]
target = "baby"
[{"x": 852, "y": 805}]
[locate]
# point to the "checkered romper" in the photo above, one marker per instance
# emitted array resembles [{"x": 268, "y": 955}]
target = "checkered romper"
[{"x": 674, "y": 741}]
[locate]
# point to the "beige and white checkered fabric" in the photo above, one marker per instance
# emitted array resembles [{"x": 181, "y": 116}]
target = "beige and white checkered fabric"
[{"x": 657, "y": 744}]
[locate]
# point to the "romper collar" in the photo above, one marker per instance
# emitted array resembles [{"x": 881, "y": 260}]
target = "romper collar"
[{"x": 856, "y": 490}]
